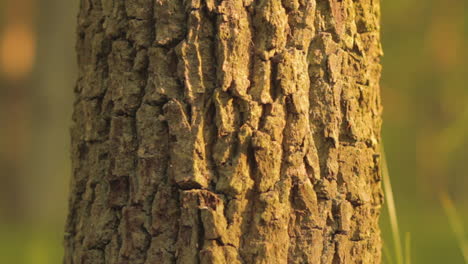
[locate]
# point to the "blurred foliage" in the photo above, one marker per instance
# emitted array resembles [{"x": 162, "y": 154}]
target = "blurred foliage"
[
  {"x": 30, "y": 244},
  {"x": 425, "y": 98}
]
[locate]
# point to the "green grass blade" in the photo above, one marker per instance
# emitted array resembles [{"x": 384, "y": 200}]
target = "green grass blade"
[
  {"x": 455, "y": 223},
  {"x": 391, "y": 210},
  {"x": 408, "y": 248}
]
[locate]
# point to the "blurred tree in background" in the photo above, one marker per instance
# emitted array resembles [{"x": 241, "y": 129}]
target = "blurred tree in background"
[
  {"x": 38, "y": 71},
  {"x": 425, "y": 97}
]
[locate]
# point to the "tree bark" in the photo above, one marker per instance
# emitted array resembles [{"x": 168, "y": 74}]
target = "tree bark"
[{"x": 226, "y": 131}]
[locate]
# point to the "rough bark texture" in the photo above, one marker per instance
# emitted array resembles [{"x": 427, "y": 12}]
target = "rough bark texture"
[{"x": 226, "y": 131}]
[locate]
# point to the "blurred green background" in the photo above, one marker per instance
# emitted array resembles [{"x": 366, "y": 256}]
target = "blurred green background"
[{"x": 425, "y": 95}]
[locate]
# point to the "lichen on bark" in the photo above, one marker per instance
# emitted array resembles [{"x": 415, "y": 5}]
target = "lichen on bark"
[{"x": 226, "y": 131}]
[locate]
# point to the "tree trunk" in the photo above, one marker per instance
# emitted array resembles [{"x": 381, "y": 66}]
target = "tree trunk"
[{"x": 226, "y": 131}]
